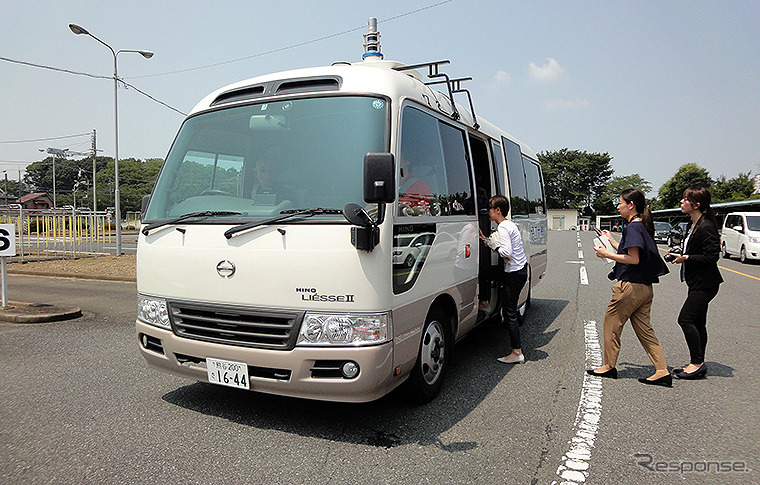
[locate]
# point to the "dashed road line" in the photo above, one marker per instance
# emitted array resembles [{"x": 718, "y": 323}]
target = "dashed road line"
[{"x": 575, "y": 466}]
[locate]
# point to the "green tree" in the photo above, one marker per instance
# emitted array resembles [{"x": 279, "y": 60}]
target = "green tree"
[
  {"x": 732, "y": 190},
  {"x": 616, "y": 185},
  {"x": 11, "y": 188},
  {"x": 574, "y": 179},
  {"x": 688, "y": 175},
  {"x": 74, "y": 179}
]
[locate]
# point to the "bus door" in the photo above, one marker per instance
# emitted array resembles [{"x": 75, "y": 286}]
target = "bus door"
[
  {"x": 485, "y": 188},
  {"x": 518, "y": 199}
]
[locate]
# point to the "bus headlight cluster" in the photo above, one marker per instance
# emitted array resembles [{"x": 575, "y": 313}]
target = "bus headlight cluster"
[
  {"x": 344, "y": 329},
  {"x": 153, "y": 311}
]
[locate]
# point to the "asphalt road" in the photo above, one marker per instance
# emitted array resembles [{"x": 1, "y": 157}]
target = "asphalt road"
[{"x": 78, "y": 404}]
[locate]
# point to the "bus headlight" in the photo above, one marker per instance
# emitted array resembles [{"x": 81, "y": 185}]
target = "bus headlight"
[
  {"x": 344, "y": 329},
  {"x": 153, "y": 311}
]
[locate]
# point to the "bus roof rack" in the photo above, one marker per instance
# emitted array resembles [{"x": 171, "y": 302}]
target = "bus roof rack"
[
  {"x": 456, "y": 87},
  {"x": 434, "y": 72}
]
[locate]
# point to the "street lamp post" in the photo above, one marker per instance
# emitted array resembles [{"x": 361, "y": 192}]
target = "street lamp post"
[
  {"x": 146, "y": 54},
  {"x": 57, "y": 153}
]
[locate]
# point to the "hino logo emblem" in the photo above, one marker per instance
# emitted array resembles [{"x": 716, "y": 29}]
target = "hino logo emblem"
[{"x": 226, "y": 269}]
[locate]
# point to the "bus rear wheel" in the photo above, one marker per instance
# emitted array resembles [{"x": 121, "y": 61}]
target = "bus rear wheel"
[{"x": 433, "y": 357}]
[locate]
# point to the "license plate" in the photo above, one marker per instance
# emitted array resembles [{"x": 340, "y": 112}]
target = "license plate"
[{"x": 228, "y": 373}]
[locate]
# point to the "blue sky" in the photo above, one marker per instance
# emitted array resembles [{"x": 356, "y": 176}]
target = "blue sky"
[{"x": 654, "y": 84}]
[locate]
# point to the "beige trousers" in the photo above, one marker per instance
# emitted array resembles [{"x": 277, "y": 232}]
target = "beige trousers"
[{"x": 631, "y": 301}]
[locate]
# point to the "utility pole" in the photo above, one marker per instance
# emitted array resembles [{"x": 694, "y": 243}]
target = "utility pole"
[{"x": 94, "y": 172}]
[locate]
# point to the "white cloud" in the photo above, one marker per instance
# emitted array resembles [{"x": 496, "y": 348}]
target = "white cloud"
[
  {"x": 550, "y": 71},
  {"x": 501, "y": 78},
  {"x": 566, "y": 104}
]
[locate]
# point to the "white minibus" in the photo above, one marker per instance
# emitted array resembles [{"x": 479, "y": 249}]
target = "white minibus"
[{"x": 314, "y": 233}]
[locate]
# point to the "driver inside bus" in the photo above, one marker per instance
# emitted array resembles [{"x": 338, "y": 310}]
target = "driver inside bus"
[
  {"x": 414, "y": 193},
  {"x": 267, "y": 187}
]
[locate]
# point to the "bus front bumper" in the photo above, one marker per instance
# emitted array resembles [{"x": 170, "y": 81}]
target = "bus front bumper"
[{"x": 304, "y": 372}]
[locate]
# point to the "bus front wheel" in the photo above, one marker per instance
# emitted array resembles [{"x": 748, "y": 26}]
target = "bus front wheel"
[{"x": 433, "y": 358}]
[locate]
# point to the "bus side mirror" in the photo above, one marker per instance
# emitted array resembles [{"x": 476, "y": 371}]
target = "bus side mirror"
[{"x": 379, "y": 178}]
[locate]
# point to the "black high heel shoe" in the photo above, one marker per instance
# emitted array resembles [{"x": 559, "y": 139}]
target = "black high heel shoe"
[
  {"x": 700, "y": 373},
  {"x": 612, "y": 373},
  {"x": 665, "y": 381}
]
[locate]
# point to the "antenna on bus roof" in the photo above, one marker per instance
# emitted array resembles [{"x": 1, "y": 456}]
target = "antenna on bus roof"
[{"x": 372, "y": 42}]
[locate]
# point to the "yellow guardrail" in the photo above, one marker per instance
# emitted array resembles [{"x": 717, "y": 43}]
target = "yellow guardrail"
[{"x": 60, "y": 232}]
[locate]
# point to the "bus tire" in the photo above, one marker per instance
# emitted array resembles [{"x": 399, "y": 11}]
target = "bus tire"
[{"x": 433, "y": 358}]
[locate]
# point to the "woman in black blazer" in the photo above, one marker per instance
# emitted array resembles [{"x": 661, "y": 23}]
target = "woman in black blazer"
[{"x": 699, "y": 270}]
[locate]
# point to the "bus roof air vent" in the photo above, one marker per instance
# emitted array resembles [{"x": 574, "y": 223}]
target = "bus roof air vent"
[
  {"x": 303, "y": 85},
  {"x": 248, "y": 92}
]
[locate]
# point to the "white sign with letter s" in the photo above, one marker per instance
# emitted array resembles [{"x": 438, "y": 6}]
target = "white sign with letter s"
[{"x": 7, "y": 239}]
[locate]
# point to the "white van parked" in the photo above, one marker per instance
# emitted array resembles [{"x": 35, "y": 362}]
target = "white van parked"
[{"x": 741, "y": 235}]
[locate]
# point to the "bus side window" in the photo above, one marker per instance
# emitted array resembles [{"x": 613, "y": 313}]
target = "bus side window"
[
  {"x": 533, "y": 182},
  {"x": 434, "y": 176},
  {"x": 498, "y": 162},
  {"x": 419, "y": 162},
  {"x": 458, "y": 198},
  {"x": 516, "y": 174}
]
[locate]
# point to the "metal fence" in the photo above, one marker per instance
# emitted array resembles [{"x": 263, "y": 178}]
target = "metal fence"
[{"x": 60, "y": 233}]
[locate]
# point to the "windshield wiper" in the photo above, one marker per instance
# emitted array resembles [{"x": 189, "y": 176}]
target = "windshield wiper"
[
  {"x": 285, "y": 214},
  {"x": 183, "y": 217}
]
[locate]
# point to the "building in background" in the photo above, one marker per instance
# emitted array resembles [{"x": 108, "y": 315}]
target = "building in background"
[
  {"x": 37, "y": 200},
  {"x": 562, "y": 219}
]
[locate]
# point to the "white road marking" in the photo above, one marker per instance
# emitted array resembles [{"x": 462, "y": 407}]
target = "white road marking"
[
  {"x": 584, "y": 276},
  {"x": 575, "y": 467},
  {"x": 580, "y": 254}
]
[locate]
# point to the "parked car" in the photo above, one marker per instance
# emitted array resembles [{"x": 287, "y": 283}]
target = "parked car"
[
  {"x": 677, "y": 233},
  {"x": 661, "y": 232},
  {"x": 407, "y": 248},
  {"x": 741, "y": 235}
]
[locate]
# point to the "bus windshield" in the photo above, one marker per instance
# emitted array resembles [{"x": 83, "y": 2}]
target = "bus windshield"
[{"x": 253, "y": 162}]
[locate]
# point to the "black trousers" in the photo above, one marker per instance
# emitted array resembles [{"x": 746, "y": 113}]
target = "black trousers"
[
  {"x": 693, "y": 322},
  {"x": 510, "y": 285}
]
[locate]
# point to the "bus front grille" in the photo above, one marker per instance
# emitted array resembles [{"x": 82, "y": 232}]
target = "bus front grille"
[{"x": 239, "y": 326}]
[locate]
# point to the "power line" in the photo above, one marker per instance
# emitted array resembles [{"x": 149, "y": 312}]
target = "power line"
[
  {"x": 292, "y": 46},
  {"x": 45, "y": 139},
  {"x": 78, "y": 73},
  {"x": 273, "y": 51},
  {"x": 151, "y": 97}
]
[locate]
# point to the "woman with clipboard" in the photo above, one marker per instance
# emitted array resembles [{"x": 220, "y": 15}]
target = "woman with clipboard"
[{"x": 637, "y": 266}]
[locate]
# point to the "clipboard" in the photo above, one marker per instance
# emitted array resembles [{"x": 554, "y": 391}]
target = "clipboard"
[{"x": 600, "y": 240}]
